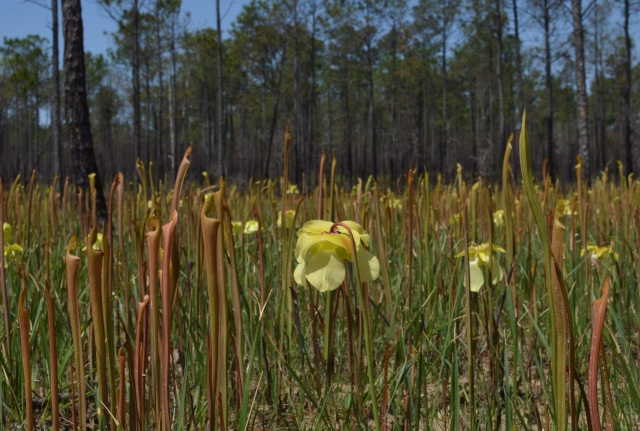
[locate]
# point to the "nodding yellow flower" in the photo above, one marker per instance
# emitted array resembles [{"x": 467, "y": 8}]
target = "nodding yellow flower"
[
  {"x": 251, "y": 226},
  {"x": 7, "y": 232},
  {"x": 289, "y": 217},
  {"x": 11, "y": 251},
  {"x": 292, "y": 189},
  {"x": 395, "y": 204},
  {"x": 498, "y": 218},
  {"x": 322, "y": 249},
  {"x": 236, "y": 227},
  {"x": 599, "y": 253},
  {"x": 96, "y": 245},
  {"x": 478, "y": 261},
  {"x": 455, "y": 218},
  {"x": 563, "y": 207}
]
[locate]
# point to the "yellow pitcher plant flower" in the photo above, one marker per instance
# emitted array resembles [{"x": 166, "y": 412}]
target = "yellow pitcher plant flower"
[
  {"x": 455, "y": 218},
  {"x": 563, "y": 208},
  {"x": 96, "y": 245},
  {"x": 322, "y": 249},
  {"x": 478, "y": 261},
  {"x": 395, "y": 203},
  {"x": 292, "y": 189},
  {"x": 289, "y": 216},
  {"x": 251, "y": 226},
  {"x": 236, "y": 227},
  {"x": 598, "y": 253},
  {"x": 11, "y": 251},
  {"x": 498, "y": 218}
]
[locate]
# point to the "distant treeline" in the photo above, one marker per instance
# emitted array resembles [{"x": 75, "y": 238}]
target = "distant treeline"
[{"x": 385, "y": 85}]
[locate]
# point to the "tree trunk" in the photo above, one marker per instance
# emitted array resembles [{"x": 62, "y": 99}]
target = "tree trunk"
[
  {"x": 582, "y": 120},
  {"x": 159, "y": 129},
  {"x": 347, "y": 141},
  {"x": 371, "y": 115},
  {"x": 312, "y": 111},
  {"x": 394, "y": 100},
  {"x": 627, "y": 91},
  {"x": 516, "y": 31},
  {"x": 219, "y": 108},
  {"x": 549, "y": 89},
  {"x": 600, "y": 132},
  {"x": 299, "y": 144},
  {"x": 77, "y": 110},
  {"x": 173, "y": 107},
  {"x": 474, "y": 132},
  {"x": 135, "y": 71},
  {"x": 274, "y": 114},
  {"x": 502, "y": 139},
  {"x": 55, "y": 108},
  {"x": 445, "y": 128}
]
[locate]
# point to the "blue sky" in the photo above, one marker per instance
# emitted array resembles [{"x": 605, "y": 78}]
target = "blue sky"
[{"x": 20, "y": 18}]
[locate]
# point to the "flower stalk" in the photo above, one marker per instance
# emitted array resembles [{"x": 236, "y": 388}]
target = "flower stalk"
[
  {"x": 3, "y": 278},
  {"x": 366, "y": 315}
]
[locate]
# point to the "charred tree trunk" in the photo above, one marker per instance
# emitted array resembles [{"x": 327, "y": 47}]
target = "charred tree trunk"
[
  {"x": 55, "y": 109},
  {"x": 274, "y": 114},
  {"x": 312, "y": 108},
  {"x": 222, "y": 168},
  {"x": 173, "y": 107},
  {"x": 549, "y": 89},
  {"x": 299, "y": 143},
  {"x": 371, "y": 117},
  {"x": 627, "y": 90},
  {"x": 135, "y": 70},
  {"x": 76, "y": 107},
  {"x": 159, "y": 129},
  {"x": 599, "y": 158},
  {"x": 347, "y": 139},
  {"x": 516, "y": 30},
  {"x": 502, "y": 139},
  {"x": 445, "y": 121}
]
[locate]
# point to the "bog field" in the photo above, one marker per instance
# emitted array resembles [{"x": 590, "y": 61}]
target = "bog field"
[{"x": 413, "y": 305}]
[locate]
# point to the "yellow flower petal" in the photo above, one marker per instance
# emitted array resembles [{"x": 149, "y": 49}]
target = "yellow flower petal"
[
  {"x": 497, "y": 274},
  {"x": 236, "y": 227},
  {"x": 341, "y": 242},
  {"x": 12, "y": 252},
  {"x": 369, "y": 265},
  {"x": 498, "y": 218},
  {"x": 289, "y": 217},
  {"x": 14, "y": 248},
  {"x": 315, "y": 227},
  {"x": 251, "y": 226},
  {"x": 7, "y": 232},
  {"x": 324, "y": 270},
  {"x": 355, "y": 227},
  {"x": 321, "y": 253},
  {"x": 476, "y": 276},
  {"x": 298, "y": 274}
]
